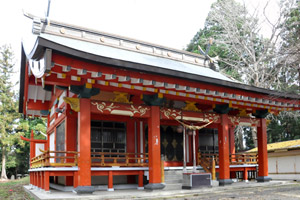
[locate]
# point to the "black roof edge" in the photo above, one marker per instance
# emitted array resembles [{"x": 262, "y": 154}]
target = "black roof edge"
[
  {"x": 44, "y": 43},
  {"x": 22, "y": 79}
]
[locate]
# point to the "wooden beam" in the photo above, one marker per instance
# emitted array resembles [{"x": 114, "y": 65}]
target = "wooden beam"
[{"x": 38, "y": 105}]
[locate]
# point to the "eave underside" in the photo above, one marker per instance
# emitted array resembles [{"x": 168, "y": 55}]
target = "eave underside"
[{"x": 70, "y": 70}]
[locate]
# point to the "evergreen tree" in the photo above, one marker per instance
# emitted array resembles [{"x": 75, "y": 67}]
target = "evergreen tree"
[
  {"x": 8, "y": 108},
  {"x": 283, "y": 127},
  {"x": 21, "y": 159},
  {"x": 268, "y": 61}
]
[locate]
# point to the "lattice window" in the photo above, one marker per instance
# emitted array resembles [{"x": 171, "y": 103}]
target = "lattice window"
[
  {"x": 60, "y": 140},
  {"x": 108, "y": 136}
]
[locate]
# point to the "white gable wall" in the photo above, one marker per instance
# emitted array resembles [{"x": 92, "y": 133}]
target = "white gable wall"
[
  {"x": 284, "y": 165},
  {"x": 39, "y": 146},
  {"x": 52, "y": 146}
]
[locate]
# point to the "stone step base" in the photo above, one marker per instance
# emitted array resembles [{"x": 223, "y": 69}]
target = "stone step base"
[{"x": 174, "y": 186}]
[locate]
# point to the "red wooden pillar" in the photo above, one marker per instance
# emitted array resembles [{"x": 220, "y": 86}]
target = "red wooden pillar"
[
  {"x": 245, "y": 175},
  {"x": 232, "y": 149},
  {"x": 262, "y": 152},
  {"x": 138, "y": 138},
  {"x": 75, "y": 180},
  {"x": 33, "y": 178},
  {"x": 130, "y": 146},
  {"x": 42, "y": 180},
  {"x": 223, "y": 139},
  {"x": 46, "y": 181},
  {"x": 32, "y": 147},
  {"x": 141, "y": 180},
  {"x": 154, "y": 150},
  {"x": 232, "y": 142},
  {"x": 84, "y": 143},
  {"x": 110, "y": 181},
  {"x": 38, "y": 177},
  {"x": 71, "y": 136}
]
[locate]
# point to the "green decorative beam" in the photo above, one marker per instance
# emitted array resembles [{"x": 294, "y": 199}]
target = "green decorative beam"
[
  {"x": 153, "y": 100},
  {"x": 84, "y": 91},
  {"x": 45, "y": 112},
  {"x": 48, "y": 88},
  {"x": 222, "y": 108},
  {"x": 261, "y": 113},
  {"x": 61, "y": 87}
]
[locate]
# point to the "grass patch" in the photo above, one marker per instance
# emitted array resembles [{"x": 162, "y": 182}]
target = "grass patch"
[{"x": 14, "y": 189}]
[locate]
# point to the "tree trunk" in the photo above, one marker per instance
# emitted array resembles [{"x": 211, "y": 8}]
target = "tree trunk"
[
  {"x": 240, "y": 136},
  {"x": 3, "y": 171},
  {"x": 254, "y": 136}
]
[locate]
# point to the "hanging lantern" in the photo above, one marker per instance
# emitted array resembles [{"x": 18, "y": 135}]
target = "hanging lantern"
[
  {"x": 179, "y": 129},
  {"x": 190, "y": 132}
]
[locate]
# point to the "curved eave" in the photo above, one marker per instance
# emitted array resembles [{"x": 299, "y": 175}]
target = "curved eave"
[
  {"x": 42, "y": 43},
  {"x": 30, "y": 104}
]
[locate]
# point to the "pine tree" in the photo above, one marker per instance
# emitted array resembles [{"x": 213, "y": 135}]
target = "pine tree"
[{"x": 8, "y": 107}]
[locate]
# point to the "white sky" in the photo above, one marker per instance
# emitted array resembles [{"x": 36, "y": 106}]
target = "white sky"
[{"x": 171, "y": 23}]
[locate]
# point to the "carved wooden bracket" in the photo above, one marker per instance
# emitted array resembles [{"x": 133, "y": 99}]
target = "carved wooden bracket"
[
  {"x": 74, "y": 103},
  {"x": 190, "y": 106}
]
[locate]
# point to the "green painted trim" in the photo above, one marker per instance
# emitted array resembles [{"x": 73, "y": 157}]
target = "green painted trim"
[
  {"x": 48, "y": 88},
  {"x": 61, "y": 87},
  {"x": 45, "y": 112},
  {"x": 153, "y": 100},
  {"x": 222, "y": 108},
  {"x": 260, "y": 113},
  {"x": 84, "y": 92}
]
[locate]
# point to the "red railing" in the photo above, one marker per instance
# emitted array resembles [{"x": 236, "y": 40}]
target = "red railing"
[
  {"x": 98, "y": 159},
  {"x": 55, "y": 159},
  {"x": 105, "y": 159},
  {"x": 208, "y": 161}
]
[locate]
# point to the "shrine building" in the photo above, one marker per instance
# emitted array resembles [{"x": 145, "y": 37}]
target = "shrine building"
[{"x": 121, "y": 111}]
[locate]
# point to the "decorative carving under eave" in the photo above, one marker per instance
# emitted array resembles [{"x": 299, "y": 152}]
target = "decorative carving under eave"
[
  {"x": 140, "y": 110},
  {"x": 243, "y": 113},
  {"x": 190, "y": 106},
  {"x": 121, "y": 97},
  {"x": 211, "y": 117},
  {"x": 74, "y": 103},
  {"x": 102, "y": 106},
  {"x": 235, "y": 120},
  {"x": 254, "y": 122},
  {"x": 170, "y": 113}
]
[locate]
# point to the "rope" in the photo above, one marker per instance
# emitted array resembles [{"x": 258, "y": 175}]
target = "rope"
[{"x": 192, "y": 127}]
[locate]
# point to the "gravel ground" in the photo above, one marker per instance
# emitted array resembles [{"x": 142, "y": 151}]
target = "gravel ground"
[
  {"x": 289, "y": 191},
  {"x": 257, "y": 191}
]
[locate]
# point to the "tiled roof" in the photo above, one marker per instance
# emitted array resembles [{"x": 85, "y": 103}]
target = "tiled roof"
[{"x": 286, "y": 145}]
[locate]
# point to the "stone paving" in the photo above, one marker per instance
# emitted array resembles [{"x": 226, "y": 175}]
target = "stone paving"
[{"x": 241, "y": 190}]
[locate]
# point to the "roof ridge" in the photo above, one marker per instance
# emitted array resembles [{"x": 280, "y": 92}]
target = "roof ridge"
[
  {"x": 283, "y": 141},
  {"x": 98, "y": 32}
]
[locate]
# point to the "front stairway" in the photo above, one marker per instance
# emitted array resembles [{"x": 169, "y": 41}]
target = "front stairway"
[{"x": 173, "y": 178}]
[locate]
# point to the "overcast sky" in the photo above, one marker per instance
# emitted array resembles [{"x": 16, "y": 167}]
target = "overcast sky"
[{"x": 171, "y": 23}]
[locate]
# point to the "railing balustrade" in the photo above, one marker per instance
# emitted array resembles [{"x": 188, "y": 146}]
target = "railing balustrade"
[
  {"x": 98, "y": 159},
  {"x": 206, "y": 160},
  {"x": 60, "y": 159},
  {"x": 106, "y": 159}
]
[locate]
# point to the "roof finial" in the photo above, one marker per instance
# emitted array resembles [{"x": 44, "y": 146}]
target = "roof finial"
[{"x": 48, "y": 11}]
